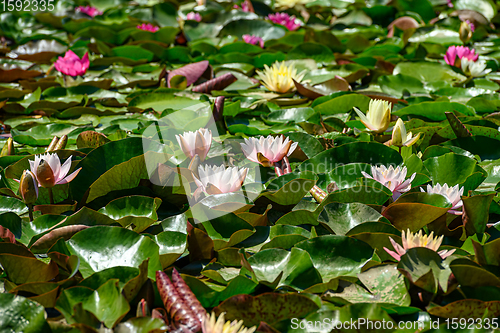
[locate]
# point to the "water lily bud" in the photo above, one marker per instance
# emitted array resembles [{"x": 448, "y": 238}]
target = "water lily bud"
[
  {"x": 399, "y": 133},
  {"x": 465, "y": 32},
  {"x": 61, "y": 144},
  {"x": 52, "y": 144},
  {"x": 45, "y": 175},
  {"x": 195, "y": 143},
  {"x": 28, "y": 187},
  {"x": 402, "y": 138},
  {"x": 8, "y": 149}
]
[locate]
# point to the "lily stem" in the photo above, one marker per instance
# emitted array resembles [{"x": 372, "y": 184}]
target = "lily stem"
[
  {"x": 51, "y": 197},
  {"x": 30, "y": 211},
  {"x": 399, "y": 150}
]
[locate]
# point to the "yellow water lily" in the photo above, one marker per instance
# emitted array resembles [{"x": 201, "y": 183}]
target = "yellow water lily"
[
  {"x": 377, "y": 117},
  {"x": 210, "y": 325},
  {"x": 400, "y": 137},
  {"x": 279, "y": 77}
]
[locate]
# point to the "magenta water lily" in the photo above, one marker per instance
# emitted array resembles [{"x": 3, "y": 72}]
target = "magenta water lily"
[
  {"x": 255, "y": 40},
  {"x": 455, "y": 54},
  {"x": 289, "y": 22},
  {"x": 89, "y": 10},
  {"x": 148, "y": 27},
  {"x": 72, "y": 65}
]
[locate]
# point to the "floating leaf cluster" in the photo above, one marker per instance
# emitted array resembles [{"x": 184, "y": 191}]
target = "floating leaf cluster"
[{"x": 240, "y": 166}]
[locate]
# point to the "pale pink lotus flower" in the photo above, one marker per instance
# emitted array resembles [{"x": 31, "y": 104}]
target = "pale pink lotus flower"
[
  {"x": 219, "y": 179},
  {"x": 72, "y": 65},
  {"x": 195, "y": 143},
  {"x": 453, "y": 194},
  {"x": 49, "y": 171},
  {"x": 268, "y": 151},
  {"x": 89, "y": 10},
  {"x": 454, "y": 55},
  {"x": 450, "y": 4},
  {"x": 393, "y": 179},
  {"x": 192, "y": 16},
  {"x": 148, "y": 27},
  {"x": 255, "y": 40},
  {"x": 411, "y": 240},
  {"x": 289, "y": 22}
]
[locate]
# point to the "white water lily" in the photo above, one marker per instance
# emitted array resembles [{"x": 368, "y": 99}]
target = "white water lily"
[
  {"x": 453, "y": 194},
  {"x": 195, "y": 143},
  {"x": 400, "y": 137},
  {"x": 411, "y": 240},
  {"x": 279, "y": 77},
  {"x": 267, "y": 151},
  {"x": 377, "y": 117},
  {"x": 393, "y": 179},
  {"x": 474, "y": 68},
  {"x": 49, "y": 171},
  {"x": 210, "y": 325},
  {"x": 218, "y": 179}
]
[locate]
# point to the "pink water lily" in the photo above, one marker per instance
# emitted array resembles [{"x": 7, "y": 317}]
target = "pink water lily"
[
  {"x": 219, "y": 179},
  {"x": 192, "y": 16},
  {"x": 252, "y": 39},
  {"x": 49, "y": 171},
  {"x": 244, "y": 7},
  {"x": 289, "y": 22},
  {"x": 89, "y": 10},
  {"x": 267, "y": 151},
  {"x": 411, "y": 240},
  {"x": 393, "y": 179},
  {"x": 453, "y": 194},
  {"x": 195, "y": 143},
  {"x": 148, "y": 27},
  {"x": 454, "y": 55},
  {"x": 72, "y": 65}
]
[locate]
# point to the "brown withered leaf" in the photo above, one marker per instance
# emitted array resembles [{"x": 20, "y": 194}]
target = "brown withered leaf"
[
  {"x": 49, "y": 239},
  {"x": 385, "y": 97},
  {"x": 15, "y": 74},
  {"x": 192, "y": 72},
  {"x": 7, "y": 235},
  {"x": 471, "y": 15},
  {"x": 218, "y": 83},
  {"x": 403, "y": 23}
]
